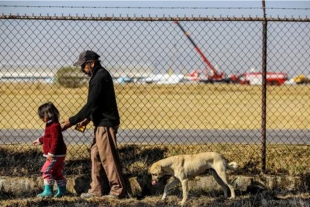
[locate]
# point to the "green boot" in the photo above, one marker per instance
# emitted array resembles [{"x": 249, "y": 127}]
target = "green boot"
[
  {"x": 48, "y": 192},
  {"x": 61, "y": 188},
  {"x": 48, "y": 189}
]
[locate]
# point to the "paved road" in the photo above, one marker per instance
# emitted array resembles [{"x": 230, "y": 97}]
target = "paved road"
[{"x": 301, "y": 137}]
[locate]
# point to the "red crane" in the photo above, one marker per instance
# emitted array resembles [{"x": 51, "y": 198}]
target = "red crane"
[{"x": 212, "y": 75}]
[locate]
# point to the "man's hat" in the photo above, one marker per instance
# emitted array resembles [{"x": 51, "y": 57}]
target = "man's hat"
[{"x": 86, "y": 56}]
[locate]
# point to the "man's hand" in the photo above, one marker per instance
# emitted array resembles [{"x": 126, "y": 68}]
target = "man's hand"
[
  {"x": 81, "y": 126},
  {"x": 65, "y": 124},
  {"x": 83, "y": 123}
]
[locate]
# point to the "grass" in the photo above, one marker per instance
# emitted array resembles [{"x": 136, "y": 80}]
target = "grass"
[
  {"x": 182, "y": 106},
  {"x": 137, "y": 158},
  {"x": 210, "y": 199},
  {"x": 26, "y": 161}
]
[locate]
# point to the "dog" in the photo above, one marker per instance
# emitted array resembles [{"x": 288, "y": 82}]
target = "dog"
[{"x": 186, "y": 167}]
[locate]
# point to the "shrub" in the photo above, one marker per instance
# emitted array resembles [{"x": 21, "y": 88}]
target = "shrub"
[{"x": 70, "y": 77}]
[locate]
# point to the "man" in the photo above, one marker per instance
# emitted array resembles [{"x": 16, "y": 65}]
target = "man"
[{"x": 101, "y": 109}]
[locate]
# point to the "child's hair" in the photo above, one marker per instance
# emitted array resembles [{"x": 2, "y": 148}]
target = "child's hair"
[{"x": 49, "y": 111}]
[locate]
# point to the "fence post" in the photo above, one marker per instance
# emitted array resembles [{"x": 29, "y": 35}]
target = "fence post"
[{"x": 264, "y": 88}]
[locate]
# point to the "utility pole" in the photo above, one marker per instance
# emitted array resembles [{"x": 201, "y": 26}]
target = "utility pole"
[{"x": 264, "y": 87}]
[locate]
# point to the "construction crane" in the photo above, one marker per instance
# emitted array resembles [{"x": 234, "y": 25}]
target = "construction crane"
[{"x": 212, "y": 75}]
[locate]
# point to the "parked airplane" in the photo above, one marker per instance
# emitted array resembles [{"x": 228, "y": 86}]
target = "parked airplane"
[{"x": 164, "y": 78}]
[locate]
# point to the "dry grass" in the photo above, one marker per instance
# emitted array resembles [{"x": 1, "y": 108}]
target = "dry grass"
[
  {"x": 203, "y": 199},
  {"x": 26, "y": 161},
  {"x": 137, "y": 158},
  {"x": 182, "y": 106}
]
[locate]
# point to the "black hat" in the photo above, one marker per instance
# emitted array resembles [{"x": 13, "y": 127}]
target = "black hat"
[{"x": 85, "y": 56}]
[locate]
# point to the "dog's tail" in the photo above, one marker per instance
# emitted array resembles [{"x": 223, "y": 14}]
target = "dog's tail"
[{"x": 232, "y": 166}]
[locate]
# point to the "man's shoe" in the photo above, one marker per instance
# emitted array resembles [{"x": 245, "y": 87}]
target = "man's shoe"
[
  {"x": 87, "y": 195},
  {"x": 110, "y": 196}
]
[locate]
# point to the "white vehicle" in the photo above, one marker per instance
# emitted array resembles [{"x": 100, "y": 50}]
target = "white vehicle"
[{"x": 164, "y": 78}]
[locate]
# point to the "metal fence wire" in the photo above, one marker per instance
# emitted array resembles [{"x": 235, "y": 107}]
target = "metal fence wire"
[{"x": 178, "y": 81}]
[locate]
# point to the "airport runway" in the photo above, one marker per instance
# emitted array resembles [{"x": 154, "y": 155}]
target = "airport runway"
[{"x": 300, "y": 137}]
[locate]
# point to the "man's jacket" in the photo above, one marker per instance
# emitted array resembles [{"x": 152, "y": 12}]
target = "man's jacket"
[{"x": 101, "y": 106}]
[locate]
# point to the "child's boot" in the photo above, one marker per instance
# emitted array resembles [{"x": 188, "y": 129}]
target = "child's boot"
[
  {"x": 61, "y": 188},
  {"x": 48, "y": 189}
]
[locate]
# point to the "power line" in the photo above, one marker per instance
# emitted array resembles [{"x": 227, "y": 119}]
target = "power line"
[{"x": 170, "y": 8}]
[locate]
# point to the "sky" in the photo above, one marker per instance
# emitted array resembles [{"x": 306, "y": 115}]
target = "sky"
[
  {"x": 227, "y": 57},
  {"x": 158, "y": 8}
]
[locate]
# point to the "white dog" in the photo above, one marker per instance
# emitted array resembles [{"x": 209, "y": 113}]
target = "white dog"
[{"x": 186, "y": 167}]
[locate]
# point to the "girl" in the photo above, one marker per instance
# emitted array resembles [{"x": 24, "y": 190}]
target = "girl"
[{"x": 54, "y": 150}]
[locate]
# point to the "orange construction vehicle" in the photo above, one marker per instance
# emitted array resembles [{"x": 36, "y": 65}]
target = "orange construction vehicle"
[{"x": 209, "y": 75}]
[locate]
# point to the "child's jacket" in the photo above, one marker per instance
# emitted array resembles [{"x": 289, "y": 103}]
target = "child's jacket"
[{"x": 53, "y": 142}]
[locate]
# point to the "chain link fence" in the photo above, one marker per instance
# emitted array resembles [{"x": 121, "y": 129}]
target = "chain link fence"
[{"x": 179, "y": 81}]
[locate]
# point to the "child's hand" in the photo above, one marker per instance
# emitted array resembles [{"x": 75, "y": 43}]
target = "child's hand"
[
  {"x": 36, "y": 142},
  {"x": 49, "y": 158},
  {"x": 65, "y": 124}
]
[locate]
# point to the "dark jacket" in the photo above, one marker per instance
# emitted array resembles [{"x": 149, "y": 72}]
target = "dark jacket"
[
  {"x": 101, "y": 106},
  {"x": 53, "y": 142}
]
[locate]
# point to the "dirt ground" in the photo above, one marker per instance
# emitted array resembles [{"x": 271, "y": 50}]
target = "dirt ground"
[{"x": 210, "y": 199}]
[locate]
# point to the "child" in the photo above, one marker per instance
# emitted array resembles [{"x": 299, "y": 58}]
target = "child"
[{"x": 54, "y": 150}]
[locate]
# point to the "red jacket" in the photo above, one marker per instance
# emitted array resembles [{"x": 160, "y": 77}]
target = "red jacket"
[{"x": 53, "y": 142}]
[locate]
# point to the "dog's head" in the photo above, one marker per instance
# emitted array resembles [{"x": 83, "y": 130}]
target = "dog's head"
[{"x": 156, "y": 172}]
